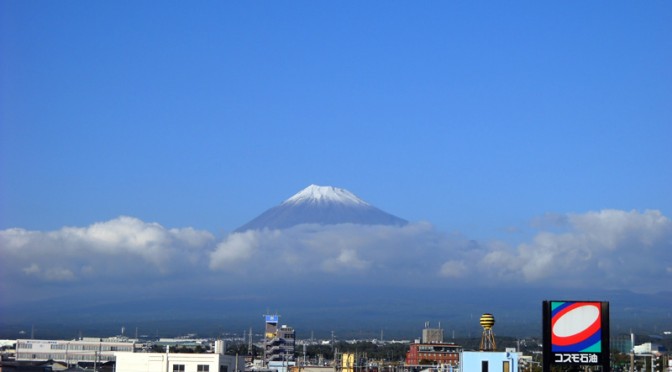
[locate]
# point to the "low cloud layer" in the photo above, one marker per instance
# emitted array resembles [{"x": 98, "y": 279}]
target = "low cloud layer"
[
  {"x": 610, "y": 249},
  {"x": 118, "y": 248},
  {"x": 378, "y": 253}
]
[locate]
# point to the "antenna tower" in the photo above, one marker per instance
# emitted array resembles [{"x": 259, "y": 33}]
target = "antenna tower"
[{"x": 249, "y": 343}]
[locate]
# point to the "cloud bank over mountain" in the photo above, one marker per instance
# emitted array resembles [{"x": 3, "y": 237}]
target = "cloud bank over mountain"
[
  {"x": 611, "y": 249},
  {"x": 121, "y": 250}
]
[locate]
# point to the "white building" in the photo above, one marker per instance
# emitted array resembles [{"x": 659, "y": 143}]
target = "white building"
[
  {"x": 281, "y": 366},
  {"x": 488, "y": 361},
  {"x": 178, "y": 362},
  {"x": 96, "y": 350},
  {"x": 71, "y": 352},
  {"x": 647, "y": 349}
]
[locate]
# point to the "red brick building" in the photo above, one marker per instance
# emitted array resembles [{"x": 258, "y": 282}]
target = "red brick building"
[{"x": 433, "y": 353}]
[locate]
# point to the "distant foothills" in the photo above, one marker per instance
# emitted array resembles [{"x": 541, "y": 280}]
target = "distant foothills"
[{"x": 355, "y": 313}]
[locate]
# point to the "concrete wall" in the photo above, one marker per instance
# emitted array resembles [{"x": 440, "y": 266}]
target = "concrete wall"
[
  {"x": 165, "y": 362},
  {"x": 472, "y": 361},
  {"x": 90, "y": 350}
]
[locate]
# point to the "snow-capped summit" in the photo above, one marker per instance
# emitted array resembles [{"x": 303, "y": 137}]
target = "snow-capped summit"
[
  {"x": 325, "y": 194},
  {"x": 324, "y": 205}
]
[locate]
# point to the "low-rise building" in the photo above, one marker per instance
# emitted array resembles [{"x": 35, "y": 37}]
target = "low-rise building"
[
  {"x": 431, "y": 350},
  {"x": 648, "y": 348},
  {"x": 433, "y": 354},
  {"x": 179, "y": 362},
  {"x": 95, "y": 350},
  {"x": 488, "y": 361},
  {"x": 279, "y": 344}
]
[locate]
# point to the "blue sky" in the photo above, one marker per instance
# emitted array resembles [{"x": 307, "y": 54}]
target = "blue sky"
[{"x": 479, "y": 118}]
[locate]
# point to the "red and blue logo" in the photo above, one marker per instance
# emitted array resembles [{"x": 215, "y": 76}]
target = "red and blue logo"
[{"x": 576, "y": 327}]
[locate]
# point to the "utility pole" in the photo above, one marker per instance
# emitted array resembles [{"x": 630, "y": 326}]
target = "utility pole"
[
  {"x": 632, "y": 352},
  {"x": 250, "y": 351},
  {"x": 332, "y": 342}
]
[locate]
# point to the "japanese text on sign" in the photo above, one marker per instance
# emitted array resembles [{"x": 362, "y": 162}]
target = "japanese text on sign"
[{"x": 576, "y": 358}]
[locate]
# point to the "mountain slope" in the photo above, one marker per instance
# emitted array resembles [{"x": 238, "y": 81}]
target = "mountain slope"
[{"x": 325, "y": 205}]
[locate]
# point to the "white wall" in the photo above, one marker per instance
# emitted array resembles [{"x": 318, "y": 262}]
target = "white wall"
[
  {"x": 471, "y": 361},
  {"x": 69, "y": 351},
  {"x": 646, "y": 348},
  {"x": 162, "y": 362}
]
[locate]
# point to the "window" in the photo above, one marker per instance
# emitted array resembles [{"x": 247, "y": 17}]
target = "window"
[
  {"x": 203, "y": 368},
  {"x": 178, "y": 367},
  {"x": 505, "y": 366},
  {"x": 484, "y": 366}
]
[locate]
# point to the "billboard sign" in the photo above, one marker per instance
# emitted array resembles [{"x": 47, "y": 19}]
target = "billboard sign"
[
  {"x": 576, "y": 333},
  {"x": 271, "y": 318}
]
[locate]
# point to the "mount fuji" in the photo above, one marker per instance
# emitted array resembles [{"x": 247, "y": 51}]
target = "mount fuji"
[{"x": 324, "y": 205}]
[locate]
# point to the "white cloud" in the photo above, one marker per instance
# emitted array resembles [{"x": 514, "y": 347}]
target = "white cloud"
[
  {"x": 52, "y": 274},
  {"x": 59, "y": 274},
  {"x": 119, "y": 247},
  {"x": 32, "y": 269},
  {"x": 377, "y": 252},
  {"x": 347, "y": 260},
  {"x": 454, "y": 269},
  {"x": 608, "y": 249},
  {"x": 236, "y": 249}
]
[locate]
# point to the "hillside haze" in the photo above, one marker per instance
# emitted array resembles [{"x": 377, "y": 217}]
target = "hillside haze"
[{"x": 323, "y": 205}]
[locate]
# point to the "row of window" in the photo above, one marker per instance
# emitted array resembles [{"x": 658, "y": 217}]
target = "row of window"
[
  {"x": 445, "y": 349},
  {"x": 92, "y": 347},
  {"x": 25, "y": 345},
  {"x": 63, "y": 357},
  {"x": 199, "y": 368},
  {"x": 437, "y": 355}
]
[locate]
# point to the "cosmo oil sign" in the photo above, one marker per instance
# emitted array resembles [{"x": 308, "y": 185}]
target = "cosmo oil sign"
[{"x": 576, "y": 333}]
